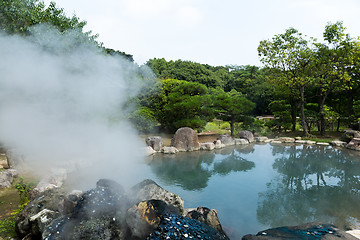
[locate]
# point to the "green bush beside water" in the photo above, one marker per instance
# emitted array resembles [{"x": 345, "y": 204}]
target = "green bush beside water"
[{"x": 7, "y": 225}]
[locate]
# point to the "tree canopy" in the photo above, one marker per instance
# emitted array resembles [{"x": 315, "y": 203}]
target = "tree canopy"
[
  {"x": 301, "y": 77},
  {"x": 313, "y": 71}
]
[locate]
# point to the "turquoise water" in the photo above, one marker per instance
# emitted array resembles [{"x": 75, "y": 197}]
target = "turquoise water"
[{"x": 255, "y": 187}]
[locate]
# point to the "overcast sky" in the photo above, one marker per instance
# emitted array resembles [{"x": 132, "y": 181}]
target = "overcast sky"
[{"x": 206, "y": 31}]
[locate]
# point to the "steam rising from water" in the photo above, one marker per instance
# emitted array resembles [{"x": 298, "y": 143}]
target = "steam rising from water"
[{"x": 61, "y": 103}]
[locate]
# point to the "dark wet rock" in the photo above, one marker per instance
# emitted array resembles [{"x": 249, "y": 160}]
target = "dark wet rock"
[
  {"x": 68, "y": 203},
  {"x": 185, "y": 139},
  {"x": 310, "y": 231},
  {"x": 349, "y": 134},
  {"x": 246, "y": 135},
  {"x": 144, "y": 217},
  {"x": 176, "y": 227},
  {"x": 227, "y": 140},
  {"x": 7, "y": 177},
  {"x": 39, "y": 212},
  {"x": 102, "y": 201},
  {"x": 207, "y": 216},
  {"x": 99, "y": 214},
  {"x": 148, "y": 189},
  {"x": 155, "y": 142}
]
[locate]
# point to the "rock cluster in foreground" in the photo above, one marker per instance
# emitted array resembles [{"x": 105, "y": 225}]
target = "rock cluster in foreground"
[{"x": 146, "y": 211}]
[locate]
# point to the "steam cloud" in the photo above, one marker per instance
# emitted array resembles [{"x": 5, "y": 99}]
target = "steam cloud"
[{"x": 61, "y": 103}]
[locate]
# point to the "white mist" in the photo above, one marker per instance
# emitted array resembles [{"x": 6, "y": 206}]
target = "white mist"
[{"x": 61, "y": 106}]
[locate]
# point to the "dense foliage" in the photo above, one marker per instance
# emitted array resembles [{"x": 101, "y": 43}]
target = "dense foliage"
[
  {"x": 317, "y": 82},
  {"x": 16, "y": 16},
  {"x": 323, "y": 74}
]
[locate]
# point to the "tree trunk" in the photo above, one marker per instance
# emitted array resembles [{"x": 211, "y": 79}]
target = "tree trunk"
[
  {"x": 350, "y": 106},
  {"x": 302, "y": 112},
  {"x": 321, "y": 111},
  {"x": 232, "y": 128},
  {"x": 322, "y": 119},
  {"x": 293, "y": 115}
]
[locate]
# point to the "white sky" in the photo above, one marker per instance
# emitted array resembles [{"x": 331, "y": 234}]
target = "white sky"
[{"x": 206, "y": 31}]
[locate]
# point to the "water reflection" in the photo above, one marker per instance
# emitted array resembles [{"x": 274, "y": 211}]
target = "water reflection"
[
  {"x": 315, "y": 183},
  {"x": 232, "y": 163},
  {"x": 192, "y": 170}
]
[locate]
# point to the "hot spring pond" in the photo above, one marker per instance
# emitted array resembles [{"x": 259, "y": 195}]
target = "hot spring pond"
[{"x": 256, "y": 187}]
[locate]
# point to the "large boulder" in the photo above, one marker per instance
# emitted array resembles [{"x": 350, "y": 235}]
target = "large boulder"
[
  {"x": 143, "y": 218},
  {"x": 246, "y": 135},
  {"x": 305, "y": 231},
  {"x": 207, "y": 216},
  {"x": 99, "y": 214},
  {"x": 148, "y": 189},
  {"x": 349, "y": 134},
  {"x": 226, "y": 139},
  {"x": 185, "y": 139},
  {"x": 155, "y": 142},
  {"x": 39, "y": 212}
]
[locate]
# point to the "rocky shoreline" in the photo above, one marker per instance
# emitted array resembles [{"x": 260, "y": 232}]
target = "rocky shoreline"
[{"x": 186, "y": 139}]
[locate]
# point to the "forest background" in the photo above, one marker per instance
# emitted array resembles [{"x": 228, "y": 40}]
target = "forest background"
[{"x": 304, "y": 84}]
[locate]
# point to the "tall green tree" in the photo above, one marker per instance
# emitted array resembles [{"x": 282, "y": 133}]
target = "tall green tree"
[
  {"x": 177, "y": 103},
  {"x": 282, "y": 115},
  {"x": 351, "y": 88},
  {"x": 331, "y": 65},
  {"x": 17, "y": 16},
  {"x": 231, "y": 106},
  {"x": 289, "y": 56}
]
